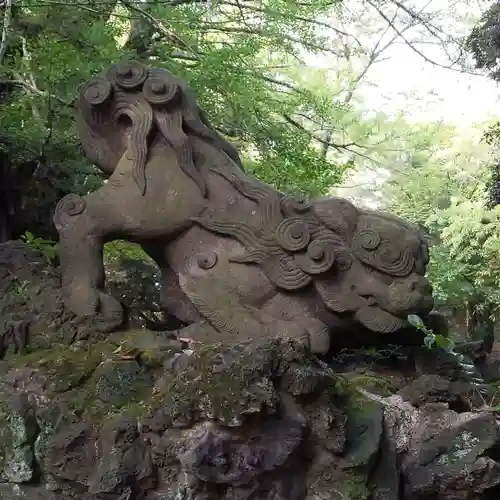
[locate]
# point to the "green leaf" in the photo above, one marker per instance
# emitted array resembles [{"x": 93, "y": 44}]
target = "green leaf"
[
  {"x": 416, "y": 321},
  {"x": 429, "y": 341}
]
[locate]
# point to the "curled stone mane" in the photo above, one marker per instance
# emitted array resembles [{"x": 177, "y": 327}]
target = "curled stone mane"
[
  {"x": 153, "y": 100},
  {"x": 327, "y": 244}
]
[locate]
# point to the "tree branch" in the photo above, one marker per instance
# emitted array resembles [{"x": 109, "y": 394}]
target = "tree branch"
[
  {"x": 338, "y": 147},
  {"x": 314, "y": 22},
  {"x": 35, "y": 90},
  {"x": 7, "y": 19},
  {"x": 267, "y": 34},
  {"x": 158, "y": 25},
  {"x": 412, "y": 45}
]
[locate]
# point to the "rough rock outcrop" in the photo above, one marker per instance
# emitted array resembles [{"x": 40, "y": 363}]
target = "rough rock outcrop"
[
  {"x": 135, "y": 415},
  {"x": 142, "y": 419}
]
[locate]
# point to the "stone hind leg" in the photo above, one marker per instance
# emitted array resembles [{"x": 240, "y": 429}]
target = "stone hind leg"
[
  {"x": 233, "y": 321},
  {"x": 229, "y": 318}
]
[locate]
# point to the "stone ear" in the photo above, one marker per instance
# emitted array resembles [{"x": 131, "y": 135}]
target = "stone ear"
[
  {"x": 97, "y": 92},
  {"x": 159, "y": 90},
  {"x": 128, "y": 76}
]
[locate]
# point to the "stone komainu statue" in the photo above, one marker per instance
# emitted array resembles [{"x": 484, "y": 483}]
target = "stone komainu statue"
[{"x": 244, "y": 259}]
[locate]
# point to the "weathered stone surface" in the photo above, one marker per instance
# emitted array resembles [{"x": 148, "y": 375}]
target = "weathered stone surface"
[
  {"x": 364, "y": 432},
  {"x": 234, "y": 253},
  {"x": 222, "y": 422},
  {"x": 442, "y": 452},
  {"x": 254, "y": 421},
  {"x": 434, "y": 389}
]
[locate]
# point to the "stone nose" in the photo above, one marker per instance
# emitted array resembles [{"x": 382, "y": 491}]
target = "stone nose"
[
  {"x": 420, "y": 284},
  {"x": 423, "y": 288}
]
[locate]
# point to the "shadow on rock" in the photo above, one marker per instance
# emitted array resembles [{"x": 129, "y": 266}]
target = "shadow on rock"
[{"x": 250, "y": 421}]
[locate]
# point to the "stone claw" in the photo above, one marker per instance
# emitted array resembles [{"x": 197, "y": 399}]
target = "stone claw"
[
  {"x": 309, "y": 331},
  {"x": 105, "y": 311}
]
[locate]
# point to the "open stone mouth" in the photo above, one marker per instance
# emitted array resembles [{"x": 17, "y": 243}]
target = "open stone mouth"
[{"x": 419, "y": 308}]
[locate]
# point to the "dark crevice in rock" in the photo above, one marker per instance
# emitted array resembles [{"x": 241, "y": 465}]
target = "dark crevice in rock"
[
  {"x": 460, "y": 406},
  {"x": 494, "y": 452}
]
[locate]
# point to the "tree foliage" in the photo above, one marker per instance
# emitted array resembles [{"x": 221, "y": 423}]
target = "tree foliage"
[
  {"x": 484, "y": 41},
  {"x": 249, "y": 62},
  {"x": 281, "y": 79},
  {"x": 235, "y": 56},
  {"x": 446, "y": 192}
]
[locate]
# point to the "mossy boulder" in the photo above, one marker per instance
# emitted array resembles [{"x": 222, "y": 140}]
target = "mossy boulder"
[
  {"x": 137, "y": 413},
  {"x": 18, "y": 432}
]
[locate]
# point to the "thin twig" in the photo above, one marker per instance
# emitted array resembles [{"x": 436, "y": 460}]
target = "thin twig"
[
  {"x": 158, "y": 25},
  {"x": 334, "y": 145},
  {"x": 19, "y": 82}
]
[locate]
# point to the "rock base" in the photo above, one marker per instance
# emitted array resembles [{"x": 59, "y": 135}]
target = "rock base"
[{"x": 142, "y": 420}]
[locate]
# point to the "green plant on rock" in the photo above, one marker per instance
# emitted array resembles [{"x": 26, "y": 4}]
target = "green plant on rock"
[
  {"x": 47, "y": 248},
  {"x": 19, "y": 288},
  {"x": 431, "y": 339}
]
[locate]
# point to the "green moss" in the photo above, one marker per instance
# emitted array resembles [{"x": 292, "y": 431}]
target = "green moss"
[
  {"x": 91, "y": 380},
  {"x": 381, "y": 386},
  {"x": 114, "y": 385},
  {"x": 353, "y": 486},
  {"x": 5, "y": 432},
  {"x": 339, "y": 386},
  {"x": 220, "y": 392},
  {"x": 17, "y": 435},
  {"x": 154, "y": 358},
  {"x": 66, "y": 367},
  {"x": 136, "y": 409},
  {"x": 370, "y": 383}
]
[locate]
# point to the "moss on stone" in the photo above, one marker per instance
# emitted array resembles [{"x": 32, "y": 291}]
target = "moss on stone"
[
  {"x": 370, "y": 383},
  {"x": 378, "y": 384},
  {"x": 66, "y": 367},
  {"x": 114, "y": 385},
  {"x": 90, "y": 379},
  {"x": 353, "y": 486},
  {"x": 154, "y": 358},
  {"x": 17, "y": 434},
  {"x": 221, "y": 391}
]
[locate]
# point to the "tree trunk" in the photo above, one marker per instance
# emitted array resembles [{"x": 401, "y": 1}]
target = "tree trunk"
[{"x": 5, "y": 207}]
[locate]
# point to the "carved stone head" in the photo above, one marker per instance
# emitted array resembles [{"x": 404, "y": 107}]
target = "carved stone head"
[
  {"x": 122, "y": 113},
  {"x": 384, "y": 279}
]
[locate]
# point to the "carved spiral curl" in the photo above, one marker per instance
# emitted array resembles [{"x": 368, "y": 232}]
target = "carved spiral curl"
[
  {"x": 159, "y": 91},
  {"x": 393, "y": 260},
  {"x": 293, "y": 205},
  {"x": 206, "y": 260},
  {"x": 292, "y": 234},
  {"x": 318, "y": 259},
  {"x": 69, "y": 206},
  {"x": 129, "y": 76},
  {"x": 368, "y": 239},
  {"x": 97, "y": 91},
  {"x": 343, "y": 259},
  {"x": 72, "y": 204},
  {"x": 285, "y": 274}
]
